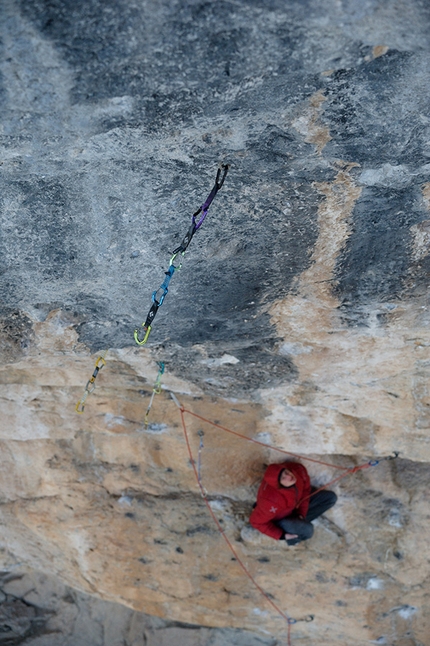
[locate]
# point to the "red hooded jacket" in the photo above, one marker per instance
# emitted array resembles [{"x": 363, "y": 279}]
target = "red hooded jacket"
[{"x": 275, "y": 502}]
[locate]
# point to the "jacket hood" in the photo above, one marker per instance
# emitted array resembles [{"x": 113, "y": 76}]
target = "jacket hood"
[
  {"x": 272, "y": 475},
  {"x": 273, "y": 470}
]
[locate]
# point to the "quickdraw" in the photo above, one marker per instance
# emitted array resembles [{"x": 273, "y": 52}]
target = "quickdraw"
[
  {"x": 155, "y": 391},
  {"x": 199, "y": 461},
  {"x": 307, "y": 619},
  {"x": 160, "y": 294},
  {"x": 374, "y": 463},
  {"x": 90, "y": 387}
]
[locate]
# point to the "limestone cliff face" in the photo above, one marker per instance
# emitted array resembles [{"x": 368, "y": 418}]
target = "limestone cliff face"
[{"x": 299, "y": 317}]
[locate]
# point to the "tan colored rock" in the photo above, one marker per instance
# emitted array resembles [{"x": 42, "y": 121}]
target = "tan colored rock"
[
  {"x": 308, "y": 123},
  {"x": 113, "y": 508},
  {"x": 362, "y": 390}
]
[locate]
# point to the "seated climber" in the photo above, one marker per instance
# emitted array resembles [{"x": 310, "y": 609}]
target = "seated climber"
[{"x": 286, "y": 506}]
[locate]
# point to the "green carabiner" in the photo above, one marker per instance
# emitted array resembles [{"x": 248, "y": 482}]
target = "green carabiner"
[
  {"x": 145, "y": 338},
  {"x": 172, "y": 260}
]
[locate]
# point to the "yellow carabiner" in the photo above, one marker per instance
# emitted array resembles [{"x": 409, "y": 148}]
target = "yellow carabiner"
[
  {"x": 145, "y": 338},
  {"x": 90, "y": 387},
  {"x": 80, "y": 403},
  {"x": 102, "y": 359}
]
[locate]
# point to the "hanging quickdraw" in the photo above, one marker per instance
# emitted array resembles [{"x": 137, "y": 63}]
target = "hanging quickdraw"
[
  {"x": 199, "y": 461},
  {"x": 155, "y": 391},
  {"x": 374, "y": 463},
  {"x": 90, "y": 387},
  {"x": 158, "y": 300}
]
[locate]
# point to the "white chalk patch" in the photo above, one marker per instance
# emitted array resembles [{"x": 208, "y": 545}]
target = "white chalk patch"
[
  {"x": 294, "y": 349},
  {"x": 155, "y": 429},
  {"x": 218, "y": 505},
  {"x": 394, "y": 518},
  {"x": 374, "y": 584},
  {"x": 260, "y": 613},
  {"x": 406, "y": 612},
  {"x": 221, "y": 361},
  {"x": 263, "y": 437},
  {"x": 114, "y": 420},
  {"x": 125, "y": 501},
  {"x": 387, "y": 176}
]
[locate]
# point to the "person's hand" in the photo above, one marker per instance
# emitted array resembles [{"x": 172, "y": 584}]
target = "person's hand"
[{"x": 288, "y": 536}]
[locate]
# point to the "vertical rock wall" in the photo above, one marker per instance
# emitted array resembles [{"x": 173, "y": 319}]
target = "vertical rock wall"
[{"x": 299, "y": 317}]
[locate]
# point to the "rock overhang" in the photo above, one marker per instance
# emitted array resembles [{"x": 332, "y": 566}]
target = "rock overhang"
[{"x": 305, "y": 293}]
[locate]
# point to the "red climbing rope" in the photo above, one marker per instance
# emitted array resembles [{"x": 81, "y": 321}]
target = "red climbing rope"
[
  {"x": 221, "y": 529},
  {"x": 346, "y": 471},
  {"x": 366, "y": 465},
  {"x": 266, "y": 446}
]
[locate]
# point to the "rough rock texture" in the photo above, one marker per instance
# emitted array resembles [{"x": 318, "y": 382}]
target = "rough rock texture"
[
  {"x": 39, "y": 610},
  {"x": 300, "y": 316}
]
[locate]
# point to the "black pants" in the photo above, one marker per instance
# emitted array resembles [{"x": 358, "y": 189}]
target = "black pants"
[{"x": 319, "y": 503}]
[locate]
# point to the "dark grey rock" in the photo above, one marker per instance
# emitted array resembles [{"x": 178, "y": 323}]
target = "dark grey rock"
[
  {"x": 16, "y": 334},
  {"x": 376, "y": 259},
  {"x": 114, "y": 117},
  {"x": 50, "y": 614}
]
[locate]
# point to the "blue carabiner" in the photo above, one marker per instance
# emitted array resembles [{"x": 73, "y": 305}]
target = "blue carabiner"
[
  {"x": 164, "y": 286},
  {"x": 154, "y": 297},
  {"x": 169, "y": 273}
]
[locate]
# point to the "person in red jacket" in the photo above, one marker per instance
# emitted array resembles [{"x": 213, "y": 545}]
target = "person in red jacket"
[{"x": 285, "y": 507}]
